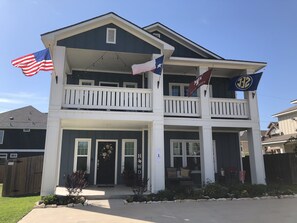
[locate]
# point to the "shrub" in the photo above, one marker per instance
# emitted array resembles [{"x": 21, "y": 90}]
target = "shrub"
[
  {"x": 75, "y": 182},
  {"x": 214, "y": 190},
  {"x": 257, "y": 190},
  {"x": 50, "y": 199}
]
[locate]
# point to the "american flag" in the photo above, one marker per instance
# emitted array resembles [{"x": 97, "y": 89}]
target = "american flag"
[{"x": 32, "y": 63}]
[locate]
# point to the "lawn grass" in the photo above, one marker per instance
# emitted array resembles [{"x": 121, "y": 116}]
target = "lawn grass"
[{"x": 13, "y": 209}]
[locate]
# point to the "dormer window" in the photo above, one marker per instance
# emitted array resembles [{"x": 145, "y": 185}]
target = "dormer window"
[{"x": 111, "y": 35}]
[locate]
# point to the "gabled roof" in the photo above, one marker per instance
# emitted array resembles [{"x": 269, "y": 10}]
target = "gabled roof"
[
  {"x": 287, "y": 111},
  {"x": 181, "y": 39},
  {"x": 50, "y": 38},
  {"x": 23, "y": 118},
  {"x": 278, "y": 139}
]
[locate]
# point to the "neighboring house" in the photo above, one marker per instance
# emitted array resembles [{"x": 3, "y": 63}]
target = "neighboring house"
[
  {"x": 102, "y": 118},
  {"x": 281, "y": 136},
  {"x": 244, "y": 143},
  {"x": 22, "y": 133}
]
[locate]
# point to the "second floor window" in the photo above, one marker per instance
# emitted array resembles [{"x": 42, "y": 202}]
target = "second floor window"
[
  {"x": 1, "y": 136},
  {"x": 180, "y": 89}
]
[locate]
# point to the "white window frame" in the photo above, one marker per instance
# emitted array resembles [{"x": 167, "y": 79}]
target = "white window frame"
[
  {"x": 184, "y": 152},
  {"x": 124, "y": 156},
  {"x": 13, "y": 156},
  {"x": 130, "y": 83},
  {"x": 89, "y": 141},
  {"x": 90, "y": 82},
  {"x": 1, "y": 136},
  {"x": 3, "y": 156},
  {"x": 108, "y": 32},
  {"x": 182, "y": 88},
  {"x": 112, "y": 83}
]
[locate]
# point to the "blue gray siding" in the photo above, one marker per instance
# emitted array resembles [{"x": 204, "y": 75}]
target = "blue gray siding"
[
  {"x": 220, "y": 86},
  {"x": 105, "y": 77},
  {"x": 95, "y": 39},
  {"x": 180, "y": 50},
  {"x": 68, "y": 143}
]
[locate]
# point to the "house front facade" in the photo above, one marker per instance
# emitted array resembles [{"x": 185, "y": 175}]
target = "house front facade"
[
  {"x": 281, "y": 136},
  {"x": 103, "y": 119}
]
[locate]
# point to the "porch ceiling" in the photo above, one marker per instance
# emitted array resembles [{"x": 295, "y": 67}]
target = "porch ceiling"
[
  {"x": 84, "y": 59},
  {"x": 103, "y": 124}
]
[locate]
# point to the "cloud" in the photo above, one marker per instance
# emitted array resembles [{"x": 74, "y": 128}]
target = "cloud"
[{"x": 10, "y": 101}]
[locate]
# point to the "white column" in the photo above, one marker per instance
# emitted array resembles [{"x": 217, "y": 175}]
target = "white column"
[
  {"x": 206, "y": 153},
  {"x": 51, "y": 154},
  {"x": 51, "y": 161},
  {"x": 157, "y": 157},
  {"x": 254, "y": 139},
  {"x": 256, "y": 156},
  {"x": 204, "y": 98}
]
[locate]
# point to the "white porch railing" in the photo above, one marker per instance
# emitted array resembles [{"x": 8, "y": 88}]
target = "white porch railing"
[
  {"x": 181, "y": 106},
  {"x": 229, "y": 108},
  {"x": 112, "y": 98}
]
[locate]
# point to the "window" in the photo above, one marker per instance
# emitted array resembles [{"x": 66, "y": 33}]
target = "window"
[
  {"x": 82, "y": 155},
  {"x": 130, "y": 84},
  {"x": 3, "y": 158},
  {"x": 108, "y": 84},
  {"x": 180, "y": 89},
  {"x": 1, "y": 136},
  {"x": 129, "y": 152},
  {"x": 111, "y": 35},
  {"x": 13, "y": 155},
  {"x": 86, "y": 82},
  {"x": 185, "y": 153}
]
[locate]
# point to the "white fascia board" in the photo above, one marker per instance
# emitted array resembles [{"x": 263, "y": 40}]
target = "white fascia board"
[
  {"x": 272, "y": 143},
  {"x": 180, "y": 39},
  {"x": 284, "y": 113},
  {"x": 51, "y": 39},
  {"x": 21, "y": 150},
  {"x": 180, "y": 61}
]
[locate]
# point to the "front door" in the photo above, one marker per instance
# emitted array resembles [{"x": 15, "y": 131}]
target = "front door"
[{"x": 106, "y": 162}]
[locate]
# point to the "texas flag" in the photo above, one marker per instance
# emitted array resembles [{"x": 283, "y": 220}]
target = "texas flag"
[{"x": 154, "y": 65}]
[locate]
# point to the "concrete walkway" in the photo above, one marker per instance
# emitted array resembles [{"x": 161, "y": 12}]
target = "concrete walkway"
[{"x": 114, "y": 210}]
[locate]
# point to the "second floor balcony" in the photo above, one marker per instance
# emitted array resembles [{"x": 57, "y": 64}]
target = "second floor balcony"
[{"x": 141, "y": 100}]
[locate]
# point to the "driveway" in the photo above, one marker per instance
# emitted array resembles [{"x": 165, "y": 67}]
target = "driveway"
[{"x": 107, "y": 211}]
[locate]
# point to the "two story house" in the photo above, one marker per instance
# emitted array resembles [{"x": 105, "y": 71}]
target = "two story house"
[
  {"x": 281, "y": 136},
  {"x": 102, "y": 118}
]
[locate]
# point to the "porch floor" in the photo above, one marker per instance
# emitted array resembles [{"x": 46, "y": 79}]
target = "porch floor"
[{"x": 98, "y": 193}]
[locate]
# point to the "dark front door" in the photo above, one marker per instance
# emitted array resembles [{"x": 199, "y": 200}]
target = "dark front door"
[{"x": 106, "y": 163}]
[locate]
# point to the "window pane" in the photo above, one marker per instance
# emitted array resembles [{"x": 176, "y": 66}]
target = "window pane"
[
  {"x": 1, "y": 136},
  {"x": 82, "y": 148},
  {"x": 193, "y": 163},
  {"x": 193, "y": 148},
  {"x": 81, "y": 163},
  {"x": 129, "y": 148},
  {"x": 177, "y": 148},
  {"x": 129, "y": 162},
  {"x": 177, "y": 162},
  {"x": 175, "y": 90},
  {"x": 186, "y": 90}
]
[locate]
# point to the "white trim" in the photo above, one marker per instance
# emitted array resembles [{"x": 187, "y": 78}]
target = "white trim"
[
  {"x": 89, "y": 141},
  {"x": 215, "y": 162},
  {"x": 22, "y": 150},
  {"x": 26, "y": 130},
  {"x": 106, "y": 82},
  {"x": 135, "y": 85},
  {"x": 142, "y": 154},
  {"x": 2, "y": 138},
  {"x": 116, "y": 159},
  {"x": 108, "y": 33},
  {"x": 123, "y": 153},
  {"x": 59, "y": 155},
  {"x": 13, "y": 156},
  {"x": 92, "y": 82}
]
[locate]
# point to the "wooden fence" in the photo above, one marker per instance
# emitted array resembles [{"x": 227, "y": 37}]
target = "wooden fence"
[
  {"x": 1, "y": 173},
  {"x": 22, "y": 176},
  {"x": 279, "y": 168}
]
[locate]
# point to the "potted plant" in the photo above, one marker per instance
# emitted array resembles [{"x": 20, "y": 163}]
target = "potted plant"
[{"x": 128, "y": 175}]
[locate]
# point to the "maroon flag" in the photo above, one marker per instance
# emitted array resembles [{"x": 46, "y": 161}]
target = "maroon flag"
[{"x": 199, "y": 81}]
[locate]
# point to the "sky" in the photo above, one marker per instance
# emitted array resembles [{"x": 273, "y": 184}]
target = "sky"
[{"x": 264, "y": 31}]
